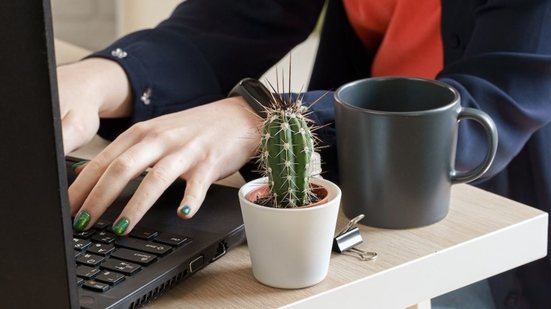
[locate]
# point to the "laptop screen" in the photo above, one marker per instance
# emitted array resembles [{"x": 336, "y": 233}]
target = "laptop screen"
[{"x": 34, "y": 218}]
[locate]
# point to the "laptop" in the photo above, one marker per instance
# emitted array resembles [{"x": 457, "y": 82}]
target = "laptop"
[{"x": 43, "y": 263}]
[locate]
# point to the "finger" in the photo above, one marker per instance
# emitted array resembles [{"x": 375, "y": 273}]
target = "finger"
[
  {"x": 83, "y": 184},
  {"x": 77, "y": 167},
  {"x": 89, "y": 175},
  {"x": 157, "y": 180},
  {"x": 123, "y": 169},
  {"x": 76, "y": 132},
  {"x": 197, "y": 185}
]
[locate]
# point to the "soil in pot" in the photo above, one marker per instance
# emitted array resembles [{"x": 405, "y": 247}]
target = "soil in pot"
[{"x": 322, "y": 195}]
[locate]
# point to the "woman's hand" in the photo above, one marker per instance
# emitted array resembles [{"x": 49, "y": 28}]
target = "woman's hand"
[
  {"x": 88, "y": 90},
  {"x": 200, "y": 145}
]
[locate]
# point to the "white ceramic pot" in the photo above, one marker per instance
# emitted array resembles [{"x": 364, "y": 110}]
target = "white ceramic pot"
[{"x": 290, "y": 247}]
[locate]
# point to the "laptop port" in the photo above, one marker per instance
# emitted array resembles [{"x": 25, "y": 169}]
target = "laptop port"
[
  {"x": 196, "y": 264},
  {"x": 220, "y": 251}
]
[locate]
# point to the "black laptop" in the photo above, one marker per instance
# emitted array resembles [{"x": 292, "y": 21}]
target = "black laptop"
[{"x": 43, "y": 263}]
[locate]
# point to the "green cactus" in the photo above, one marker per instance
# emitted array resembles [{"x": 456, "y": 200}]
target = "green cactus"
[{"x": 285, "y": 154}]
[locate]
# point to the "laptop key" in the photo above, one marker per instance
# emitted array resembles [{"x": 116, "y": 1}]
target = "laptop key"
[
  {"x": 110, "y": 277},
  {"x": 90, "y": 259},
  {"x": 77, "y": 253},
  {"x": 81, "y": 244},
  {"x": 143, "y": 233},
  {"x": 126, "y": 268},
  {"x": 86, "y": 272},
  {"x": 101, "y": 249},
  {"x": 101, "y": 224},
  {"x": 80, "y": 281},
  {"x": 104, "y": 237},
  {"x": 143, "y": 245},
  {"x": 171, "y": 239},
  {"x": 96, "y": 286},
  {"x": 134, "y": 256},
  {"x": 83, "y": 234}
]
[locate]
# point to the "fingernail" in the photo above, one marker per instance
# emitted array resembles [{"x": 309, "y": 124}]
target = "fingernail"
[
  {"x": 186, "y": 210},
  {"x": 81, "y": 221},
  {"x": 120, "y": 226},
  {"x": 75, "y": 166}
]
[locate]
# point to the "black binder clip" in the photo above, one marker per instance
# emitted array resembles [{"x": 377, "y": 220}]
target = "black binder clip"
[{"x": 348, "y": 238}]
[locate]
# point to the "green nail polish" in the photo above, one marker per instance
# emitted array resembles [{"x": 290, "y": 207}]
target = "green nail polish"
[
  {"x": 185, "y": 210},
  {"x": 76, "y": 165},
  {"x": 81, "y": 221},
  {"x": 121, "y": 226}
]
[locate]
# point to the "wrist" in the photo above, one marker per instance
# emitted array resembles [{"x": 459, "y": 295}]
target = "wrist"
[
  {"x": 103, "y": 83},
  {"x": 247, "y": 119},
  {"x": 254, "y": 93},
  {"x": 253, "y": 120}
]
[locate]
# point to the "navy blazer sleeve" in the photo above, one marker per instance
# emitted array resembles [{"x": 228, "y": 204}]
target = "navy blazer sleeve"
[
  {"x": 198, "y": 54},
  {"x": 504, "y": 70}
]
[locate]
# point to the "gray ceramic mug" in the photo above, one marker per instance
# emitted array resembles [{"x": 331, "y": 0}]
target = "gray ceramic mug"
[{"x": 396, "y": 140}]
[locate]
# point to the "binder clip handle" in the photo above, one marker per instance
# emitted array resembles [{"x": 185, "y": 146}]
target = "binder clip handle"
[{"x": 348, "y": 238}]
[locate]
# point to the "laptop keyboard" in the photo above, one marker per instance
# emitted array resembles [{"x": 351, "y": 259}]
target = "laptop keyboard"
[{"x": 105, "y": 260}]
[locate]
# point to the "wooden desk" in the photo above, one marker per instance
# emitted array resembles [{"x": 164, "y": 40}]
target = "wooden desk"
[{"x": 483, "y": 235}]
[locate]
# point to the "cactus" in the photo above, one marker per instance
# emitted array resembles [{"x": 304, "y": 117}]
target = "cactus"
[{"x": 286, "y": 150}]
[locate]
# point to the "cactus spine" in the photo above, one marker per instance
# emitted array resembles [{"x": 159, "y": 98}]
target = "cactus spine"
[{"x": 286, "y": 150}]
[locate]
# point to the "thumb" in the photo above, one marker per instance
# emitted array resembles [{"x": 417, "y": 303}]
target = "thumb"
[{"x": 78, "y": 131}]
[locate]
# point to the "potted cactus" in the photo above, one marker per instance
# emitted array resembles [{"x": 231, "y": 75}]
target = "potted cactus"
[{"x": 289, "y": 215}]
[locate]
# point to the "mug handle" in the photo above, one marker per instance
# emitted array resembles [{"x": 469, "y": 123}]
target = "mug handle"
[{"x": 491, "y": 136}]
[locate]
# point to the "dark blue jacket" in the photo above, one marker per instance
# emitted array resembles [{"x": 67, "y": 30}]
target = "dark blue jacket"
[{"x": 497, "y": 54}]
